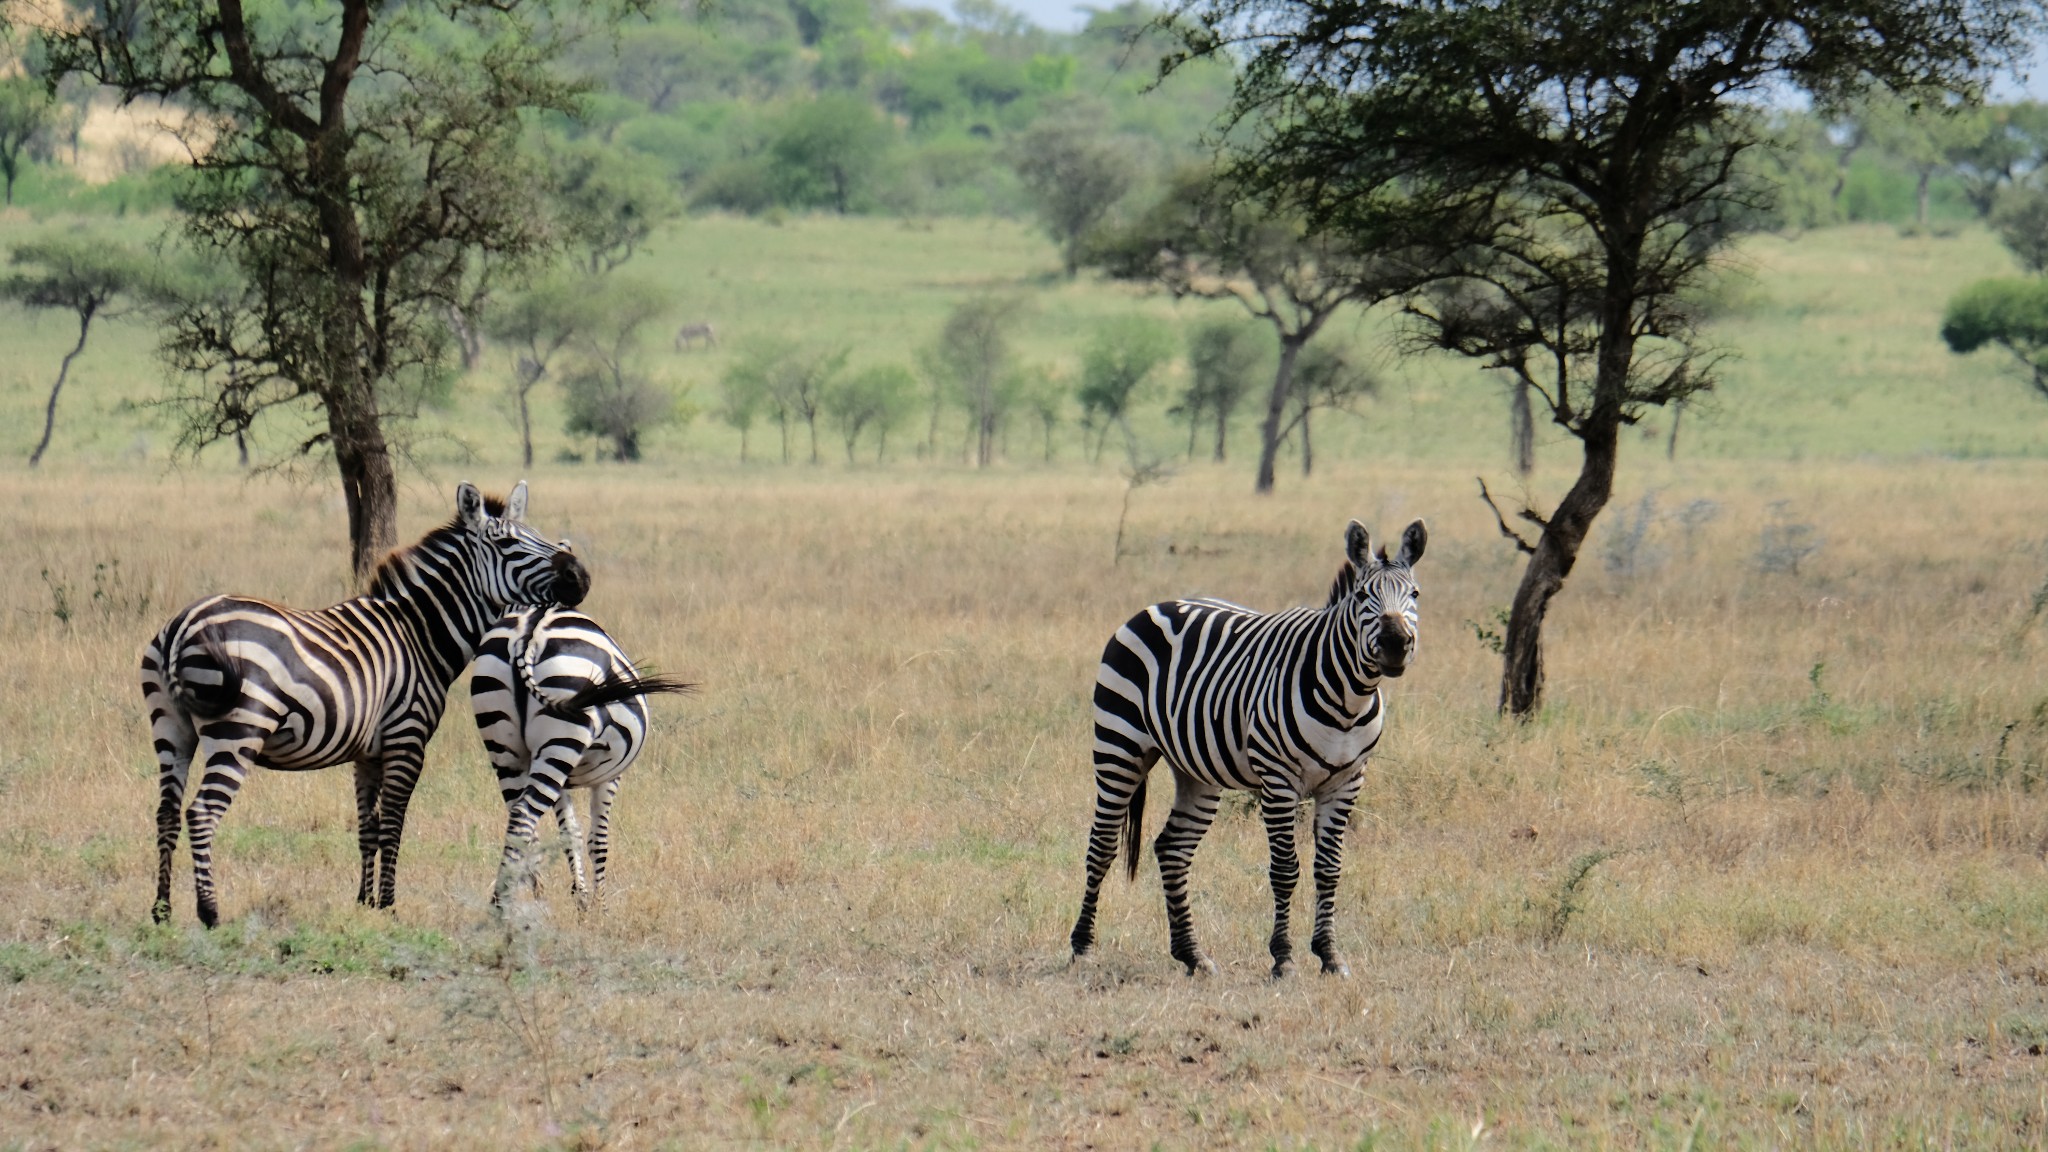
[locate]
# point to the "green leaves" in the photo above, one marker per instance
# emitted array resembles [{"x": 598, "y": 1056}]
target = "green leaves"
[{"x": 2009, "y": 312}]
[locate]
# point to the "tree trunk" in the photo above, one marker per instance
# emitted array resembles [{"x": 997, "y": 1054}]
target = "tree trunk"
[
  {"x": 1308, "y": 452},
  {"x": 63, "y": 370},
  {"x": 1926, "y": 174},
  {"x": 1671, "y": 445},
  {"x": 1557, "y": 550},
  {"x": 1276, "y": 407},
  {"x": 525, "y": 430},
  {"x": 1524, "y": 429},
  {"x": 985, "y": 450},
  {"x": 367, "y": 481},
  {"x": 743, "y": 445},
  {"x": 812, "y": 420},
  {"x": 1222, "y": 427}
]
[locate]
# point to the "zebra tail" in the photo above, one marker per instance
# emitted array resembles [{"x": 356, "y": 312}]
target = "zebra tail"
[
  {"x": 614, "y": 688},
  {"x": 200, "y": 698},
  {"x": 1134, "y": 829}
]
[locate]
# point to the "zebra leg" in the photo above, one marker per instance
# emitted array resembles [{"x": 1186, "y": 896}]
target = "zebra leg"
[
  {"x": 1119, "y": 800},
  {"x": 401, "y": 776},
  {"x": 1279, "y": 806},
  {"x": 572, "y": 847},
  {"x": 226, "y": 763},
  {"x": 522, "y": 819},
  {"x": 369, "y": 782},
  {"x": 1194, "y": 809},
  {"x": 1333, "y": 818},
  {"x": 601, "y": 798},
  {"x": 171, "y": 732}
]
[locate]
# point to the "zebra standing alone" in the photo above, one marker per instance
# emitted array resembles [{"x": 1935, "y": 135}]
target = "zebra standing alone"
[
  {"x": 245, "y": 683},
  {"x": 559, "y": 706},
  {"x": 1287, "y": 705}
]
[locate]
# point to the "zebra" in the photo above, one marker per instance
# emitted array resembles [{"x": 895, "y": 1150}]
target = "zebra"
[
  {"x": 246, "y": 683},
  {"x": 1286, "y": 705},
  {"x": 559, "y": 706}
]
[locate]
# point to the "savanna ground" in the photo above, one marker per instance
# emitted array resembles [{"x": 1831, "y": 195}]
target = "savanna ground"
[{"x": 1767, "y": 871}]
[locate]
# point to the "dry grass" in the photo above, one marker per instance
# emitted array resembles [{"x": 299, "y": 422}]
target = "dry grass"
[{"x": 845, "y": 873}]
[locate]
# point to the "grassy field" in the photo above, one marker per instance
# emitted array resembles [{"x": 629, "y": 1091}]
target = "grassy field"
[
  {"x": 1770, "y": 870},
  {"x": 1832, "y": 334}
]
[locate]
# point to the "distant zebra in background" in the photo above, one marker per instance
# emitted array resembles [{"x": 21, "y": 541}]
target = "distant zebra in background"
[
  {"x": 559, "y": 706},
  {"x": 689, "y": 334},
  {"x": 246, "y": 683},
  {"x": 1287, "y": 705}
]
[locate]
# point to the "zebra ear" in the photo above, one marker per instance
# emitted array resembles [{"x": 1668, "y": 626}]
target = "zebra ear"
[
  {"x": 1357, "y": 545},
  {"x": 515, "y": 505},
  {"x": 1413, "y": 541},
  {"x": 469, "y": 506}
]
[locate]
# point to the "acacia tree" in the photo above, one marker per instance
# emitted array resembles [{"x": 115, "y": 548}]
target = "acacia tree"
[
  {"x": 1074, "y": 172},
  {"x": 608, "y": 395},
  {"x": 1571, "y": 165},
  {"x": 87, "y": 278},
  {"x": 1119, "y": 361},
  {"x": 27, "y": 110},
  {"x": 974, "y": 352},
  {"x": 540, "y": 323},
  {"x": 1330, "y": 380},
  {"x": 1205, "y": 239},
  {"x": 351, "y": 158},
  {"x": 1222, "y": 357}
]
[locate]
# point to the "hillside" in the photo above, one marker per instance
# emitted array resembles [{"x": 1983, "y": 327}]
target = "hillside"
[{"x": 1831, "y": 335}]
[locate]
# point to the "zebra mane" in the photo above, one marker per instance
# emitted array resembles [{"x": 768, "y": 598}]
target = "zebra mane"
[
  {"x": 1346, "y": 577},
  {"x": 386, "y": 579}
]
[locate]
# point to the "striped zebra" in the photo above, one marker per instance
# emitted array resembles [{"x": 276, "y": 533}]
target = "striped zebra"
[
  {"x": 245, "y": 683},
  {"x": 1286, "y": 705},
  {"x": 559, "y": 706}
]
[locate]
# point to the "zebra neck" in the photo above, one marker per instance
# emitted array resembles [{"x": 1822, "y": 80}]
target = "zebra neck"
[
  {"x": 431, "y": 590},
  {"x": 1341, "y": 665}
]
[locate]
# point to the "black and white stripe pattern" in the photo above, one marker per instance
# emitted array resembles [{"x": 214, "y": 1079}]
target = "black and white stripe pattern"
[
  {"x": 246, "y": 684},
  {"x": 559, "y": 706},
  {"x": 1286, "y": 705}
]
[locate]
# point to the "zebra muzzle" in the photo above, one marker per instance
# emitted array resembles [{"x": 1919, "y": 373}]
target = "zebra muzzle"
[
  {"x": 1395, "y": 645},
  {"x": 572, "y": 580}
]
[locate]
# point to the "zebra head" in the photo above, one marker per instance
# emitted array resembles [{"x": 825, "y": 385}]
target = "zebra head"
[
  {"x": 1382, "y": 599},
  {"x": 514, "y": 564}
]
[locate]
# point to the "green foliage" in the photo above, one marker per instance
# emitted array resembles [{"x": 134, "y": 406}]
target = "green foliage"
[
  {"x": 609, "y": 394},
  {"x": 879, "y": 398},
  {"x": 1122, "y": 357},
  {"x": 608, "y": 201},
  {"x": 1224, "y": 359},
  {"x": 2009, "y": 312},
  {"x": 26, "y": 113},
  {"x": 1074, "y": 173},
  {"x": 974, "y": 356},
  {"x": 828, "y": 152}
]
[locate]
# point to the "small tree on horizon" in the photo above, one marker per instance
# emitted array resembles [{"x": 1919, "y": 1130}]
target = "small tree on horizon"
[
  {"x": 973, "y": 351},
  {"x": 27, "y": 111},
  {"x": 609, "y": 394},
  {"x": 1074, "y": 173},
  {"x": 1122, "y": 357},
  {"x": 89, "y": 277},
  {"x": 541, "y": 322},
  {"x": 1223, "y": 356}
]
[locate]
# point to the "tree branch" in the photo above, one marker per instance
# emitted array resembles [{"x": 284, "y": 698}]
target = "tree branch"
[{"x": 1521, "y": 545}]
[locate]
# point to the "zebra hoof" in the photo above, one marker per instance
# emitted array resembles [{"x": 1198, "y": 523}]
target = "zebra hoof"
[
  {"x": 1282, "y": 969},
  {"x": 208, "y": 915},
  {"x": 160, "y": 912},
  {"x": 1201, "y": 966},
  {"x": 1337, "y": 968}
]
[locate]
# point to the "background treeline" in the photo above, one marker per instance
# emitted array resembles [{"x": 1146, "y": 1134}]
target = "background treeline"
[
  {"x": 849, "y": 106},
  {"x": 865, "y": 106}
]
